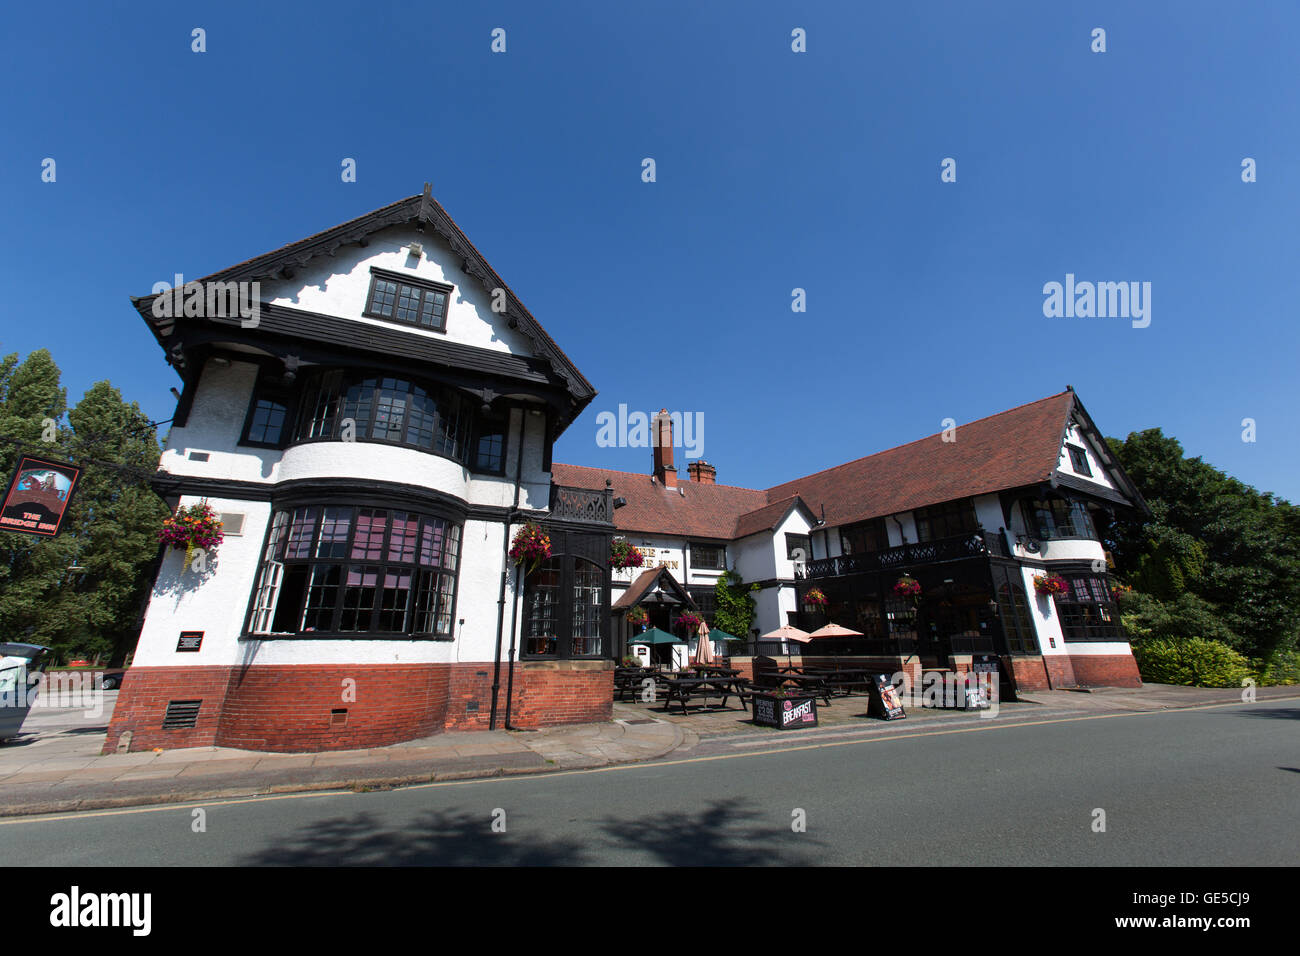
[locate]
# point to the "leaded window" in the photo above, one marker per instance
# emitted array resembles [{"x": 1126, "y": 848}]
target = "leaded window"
[
  {"x": 708, "y": 557},
  {"x": 410, "y": 301},
  {"x": 946, "y": 520},
  {"x": 1087, "y": 611},
  {"x": 342, "y": 569},
  {"x": 381, "y": 408},
  {"x": 1058, "y": 517},
  {"x": 864, "y": 538},
  {"x": 565, "y": 609},
  {"x": 1017, "y": 622},
  {"x": 1079, "y": 461}
]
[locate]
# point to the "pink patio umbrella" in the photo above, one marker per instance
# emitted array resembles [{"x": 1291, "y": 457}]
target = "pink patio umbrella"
[
  {"x": 834, "y": 630},
  {"x": 704, "y": 649},
  {"x": 787, "y": 632}
]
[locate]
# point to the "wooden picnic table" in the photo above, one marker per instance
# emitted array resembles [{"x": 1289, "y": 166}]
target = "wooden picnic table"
[{"x": 682, "y": 689}]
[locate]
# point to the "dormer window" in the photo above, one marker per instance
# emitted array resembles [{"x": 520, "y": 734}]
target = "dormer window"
[
  {"x": 398, "y": 298},
  {"x": 1079, "y": 461}
]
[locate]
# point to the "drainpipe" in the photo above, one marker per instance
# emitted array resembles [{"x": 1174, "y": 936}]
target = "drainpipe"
[
  {"x": 510, "y": 675},
  {"x": 505, "y": 563},
  {"x": 514, "y": 603}
]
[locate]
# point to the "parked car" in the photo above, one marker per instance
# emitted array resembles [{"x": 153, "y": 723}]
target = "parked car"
[
  {"x": 112, "y": 677},
  {"x": 19, "y": 673}
]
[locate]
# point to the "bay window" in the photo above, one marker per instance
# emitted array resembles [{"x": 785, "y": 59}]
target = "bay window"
[
  {"x": 1056, "y": 517},
  {"x": 336, "y": 570},
  {"x": 1087, "y": 611}
]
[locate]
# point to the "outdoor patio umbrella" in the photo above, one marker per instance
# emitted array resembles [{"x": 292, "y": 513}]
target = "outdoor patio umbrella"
[
  {"x": 834, "y": 630},
  {"x": 653, "y": 635},
  {"x": 787, "y": 632},
  {"x": 704, "y": 648},
  {"x": 717, "y": 635}
]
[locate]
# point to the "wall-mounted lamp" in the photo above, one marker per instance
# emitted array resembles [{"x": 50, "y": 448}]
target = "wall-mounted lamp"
[{"x": 416, "y": 249}]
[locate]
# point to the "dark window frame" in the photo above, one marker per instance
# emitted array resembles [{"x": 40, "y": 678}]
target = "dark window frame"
[
  {"x": 485, "y": 425},
  {"x": 950, "y": 519},
  {"x": 793, "y": 541},
  {"x": 426, "y": 287},
  {"x": 277, "y": 565},
  {"x": 697, "y": 565},
  {"x": 1088, "y": 613},
  {"x": 326, "y": 396},
  {"x": 266, "y": 391},
  {"x": 1058, "y": 518},
  {"x": 864, "y": 537},
  {"x": 567, "y": 567},
  {"x": 1015, "y": 613},
  {"x": 1079, "y": 460}
]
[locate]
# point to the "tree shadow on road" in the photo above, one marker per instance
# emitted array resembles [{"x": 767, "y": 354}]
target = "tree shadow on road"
[
  {"x": 721, "y": 834},
  {"x": 1284, "y": 713},
  {"x": 432, "y": 839}
]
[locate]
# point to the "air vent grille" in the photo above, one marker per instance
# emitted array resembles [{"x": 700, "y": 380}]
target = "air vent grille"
[
  {"x": 232, "y": 523},
  {"x": 181, "y": 714}
]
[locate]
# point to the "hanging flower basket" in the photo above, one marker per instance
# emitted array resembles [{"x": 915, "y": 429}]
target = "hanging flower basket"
[
  {"x": 908, "y": 587},
  {"x": 815, "y": 599},
  {"x": 1120, "y": 591},
  {"x": 193, "y": 528},
  {"x": 532, "y": 545},
  {"x": 623, "y": 555},
  {"x": 689, "y": 621},
  {"x": 638, "y": 617},
  {"x": 1051, "y": 584}
]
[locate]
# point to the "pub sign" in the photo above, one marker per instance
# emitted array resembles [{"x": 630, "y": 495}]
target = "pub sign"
[{"x": 38, "y": 496}]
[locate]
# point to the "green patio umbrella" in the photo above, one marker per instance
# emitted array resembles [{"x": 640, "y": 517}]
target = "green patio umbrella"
[
  {"x": 717, "y": 635},
  {"x": 655, "y": 636}
]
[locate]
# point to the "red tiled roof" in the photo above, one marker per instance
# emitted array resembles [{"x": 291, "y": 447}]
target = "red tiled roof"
[
  {"x": 700, "y": 511},
  {"x": 765, "y": 519},
  {"x": 1008, "y": 450}
]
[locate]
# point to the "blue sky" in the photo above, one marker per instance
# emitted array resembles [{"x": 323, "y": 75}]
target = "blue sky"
[{"x": 775, "y": 171}]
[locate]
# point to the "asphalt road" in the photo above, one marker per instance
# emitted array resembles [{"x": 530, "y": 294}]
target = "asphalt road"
[{"x": 1211, "y": 786}]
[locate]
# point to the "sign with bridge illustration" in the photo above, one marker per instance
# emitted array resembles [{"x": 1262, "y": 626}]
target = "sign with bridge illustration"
[{"x": 38, "y": 496}]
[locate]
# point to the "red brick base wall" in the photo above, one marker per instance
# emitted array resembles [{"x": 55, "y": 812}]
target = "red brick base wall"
[
  {"x": 142, "y": 702},
  {"x": 543, "y": 694},
  {"x": 1027, "y": 672},
  {"x": 332, "y": 707},
  {"x": 299, "y": 708},
  {"x": 1106, "y": 670}
]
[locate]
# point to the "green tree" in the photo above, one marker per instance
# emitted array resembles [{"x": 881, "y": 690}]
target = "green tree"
[
  {"x": 1234, "y": 550},
  {"x": 81, "y": 592},
  {"x": 735, "y": 609}
]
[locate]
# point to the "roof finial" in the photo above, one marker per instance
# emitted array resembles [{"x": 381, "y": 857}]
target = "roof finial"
[{"x": 428, "y": 190}]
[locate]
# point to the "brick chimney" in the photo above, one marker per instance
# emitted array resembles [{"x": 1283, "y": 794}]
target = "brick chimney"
[
  {"x": 702, "y": 472},
  {"x": 665, "y": 470}
]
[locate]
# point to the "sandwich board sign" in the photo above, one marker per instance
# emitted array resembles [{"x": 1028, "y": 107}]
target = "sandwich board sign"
[{"x": 884, "y": 699}]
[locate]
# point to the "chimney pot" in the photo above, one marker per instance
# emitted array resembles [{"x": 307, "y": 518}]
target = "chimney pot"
[{"x": 702, "y": 472}]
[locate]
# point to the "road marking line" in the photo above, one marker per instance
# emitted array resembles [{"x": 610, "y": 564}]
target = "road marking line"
[{"x": 646, "y": 765}]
